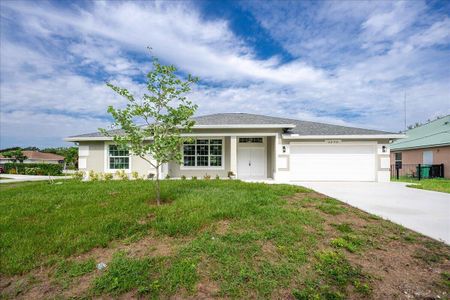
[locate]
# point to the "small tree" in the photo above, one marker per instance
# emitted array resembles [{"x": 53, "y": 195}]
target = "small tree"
[
  {"x": 15, "y": 155},
  {"x": 153, "y": 125}
]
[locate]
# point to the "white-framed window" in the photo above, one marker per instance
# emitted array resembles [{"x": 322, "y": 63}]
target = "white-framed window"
[
  {"x": 118, "y": 158},
  {"x": 203, "y": 153}
]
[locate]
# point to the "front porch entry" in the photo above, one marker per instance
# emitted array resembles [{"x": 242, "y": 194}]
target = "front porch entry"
[{"x": 252, "y": 157}]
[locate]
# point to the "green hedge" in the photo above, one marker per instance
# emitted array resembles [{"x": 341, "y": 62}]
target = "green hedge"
[{"x": 33, "y": 169}]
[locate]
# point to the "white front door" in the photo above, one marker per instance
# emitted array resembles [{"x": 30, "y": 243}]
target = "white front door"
[{"x": 251, "y": 163}]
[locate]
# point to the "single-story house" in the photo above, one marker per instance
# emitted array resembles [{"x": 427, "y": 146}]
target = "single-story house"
[
  {"x": 257, "y": 147},
  {"x": 427, "y": 144},
  {"x": 36, "y": 157}
]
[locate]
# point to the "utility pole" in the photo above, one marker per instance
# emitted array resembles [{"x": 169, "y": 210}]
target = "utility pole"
[{"x": 404, "y": 106}]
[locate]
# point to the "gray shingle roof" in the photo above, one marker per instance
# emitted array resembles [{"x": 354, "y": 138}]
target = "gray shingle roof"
[{"x": 301, "y": 127}]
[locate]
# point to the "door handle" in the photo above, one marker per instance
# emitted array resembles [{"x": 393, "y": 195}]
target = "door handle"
[{"x": 249, "y": 163}]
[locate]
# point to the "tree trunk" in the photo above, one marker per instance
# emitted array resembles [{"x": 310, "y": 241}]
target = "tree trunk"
[{"x": 158, "y": 194}]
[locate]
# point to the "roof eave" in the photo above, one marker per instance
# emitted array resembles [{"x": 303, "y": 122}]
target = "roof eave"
[
  {"x": 87, "y": 138},
  {"x": 238, "y": 126},
  {"x": 421, "y": 147},
  {"x": 343, "y": 137}
]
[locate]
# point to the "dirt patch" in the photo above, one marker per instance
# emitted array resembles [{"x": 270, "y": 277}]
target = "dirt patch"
[
  {"x": 397, "y": 274},
  {"x": 207, "y": 289},
  {"x": 222, "y": 227},
  {"x": 41, "y": 284},
  {"x": 152, "y": 202},
  {"x": 81, "y": 285},
  {"x": 270, "y": 250},
  {"x": 150, "y": 247}
]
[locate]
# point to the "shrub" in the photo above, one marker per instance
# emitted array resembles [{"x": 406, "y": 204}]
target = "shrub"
[
  {"x": 94, "y": 176},
  {"x": 135, "y": 175},
  {"x": 183, "y": 177},
  {"x": 230, "y": 174},
  {"x": 108, "y": 176},
  {"x": 167, "y": 176},
  {"x": 31, "y": 171},
  {"x": 122, "y": 175},
  {"x": 41, "y": 169},
  {"x": 207, "y": 177},
  {"x": 194, "y": 178},
  {"x": 78, "y": 175},
  {"x": 217, "y": 177}
]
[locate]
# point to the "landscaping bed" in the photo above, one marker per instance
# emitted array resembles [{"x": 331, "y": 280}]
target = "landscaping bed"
[{"x": 210, "y": 239}]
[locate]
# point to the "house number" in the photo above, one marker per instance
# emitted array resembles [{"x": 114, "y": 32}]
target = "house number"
[{"x": 332, "y": 141}]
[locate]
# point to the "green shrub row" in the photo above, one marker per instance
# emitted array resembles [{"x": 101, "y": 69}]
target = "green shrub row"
[{"x": 33, "y": 169}]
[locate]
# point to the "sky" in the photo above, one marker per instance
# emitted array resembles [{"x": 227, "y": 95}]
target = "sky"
[{"x": 347, "y": 63}]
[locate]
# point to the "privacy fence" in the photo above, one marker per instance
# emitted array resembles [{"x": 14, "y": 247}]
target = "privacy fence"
[{"x": 417, "y": 171}]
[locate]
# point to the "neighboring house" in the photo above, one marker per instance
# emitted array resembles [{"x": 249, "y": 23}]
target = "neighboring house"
[
  {"x": 258, "y": 147},
  {"x": 427, "y": 144},
  {"x": 35, "y": 157}
]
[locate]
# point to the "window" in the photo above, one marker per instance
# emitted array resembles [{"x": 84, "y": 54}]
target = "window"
[
  {"x": 119, "y": 158},
  {"x": 398, "y": 156},
  {"x": 203, "y": 153},
  {"x": 427, "y": 157},
  {"x": 250, "y": 140}
]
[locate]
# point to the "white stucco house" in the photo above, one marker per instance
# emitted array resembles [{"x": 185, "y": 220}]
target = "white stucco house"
[{"x": 257, "y": 147}]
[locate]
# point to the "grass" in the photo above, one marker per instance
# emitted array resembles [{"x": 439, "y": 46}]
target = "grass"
[
  {"x": 228, "y": 239},
  {"x": 434, "y": 184},
  {"x": 335, "y": 274},
  {"x": 42, "y": 223}
]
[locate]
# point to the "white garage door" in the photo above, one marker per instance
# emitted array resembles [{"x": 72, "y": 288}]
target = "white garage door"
[{"x": 332, "y": 162}]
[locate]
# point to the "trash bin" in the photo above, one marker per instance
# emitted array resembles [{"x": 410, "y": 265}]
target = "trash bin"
[{"x": 424, "y": 171}]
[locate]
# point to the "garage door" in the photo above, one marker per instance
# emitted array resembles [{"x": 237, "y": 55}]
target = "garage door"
[{"x": 332, "y": 162}]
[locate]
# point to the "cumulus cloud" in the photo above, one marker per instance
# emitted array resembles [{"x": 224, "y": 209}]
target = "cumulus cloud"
[{"x": 351, "y": 62}]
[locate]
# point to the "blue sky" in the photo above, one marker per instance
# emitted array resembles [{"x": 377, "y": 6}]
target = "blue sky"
[{"x": 336, "y": 62}]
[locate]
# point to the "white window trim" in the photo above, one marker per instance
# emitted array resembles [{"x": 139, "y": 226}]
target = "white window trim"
[
  {"x": 183, "y": 167},
  {"x": 106, "y": 160}
]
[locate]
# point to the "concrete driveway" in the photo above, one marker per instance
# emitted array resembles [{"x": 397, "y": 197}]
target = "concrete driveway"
[
  {"x": 20, "y": 178},
  {"x": 426, "y": 212}
]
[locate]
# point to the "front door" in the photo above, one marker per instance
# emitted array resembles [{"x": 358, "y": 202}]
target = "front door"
[{"x": 251, "y": 163}]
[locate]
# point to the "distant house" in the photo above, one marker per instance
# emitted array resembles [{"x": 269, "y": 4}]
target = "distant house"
[
  {"x": 35, "y": 157},
  {"x": 428, "y": 144}
]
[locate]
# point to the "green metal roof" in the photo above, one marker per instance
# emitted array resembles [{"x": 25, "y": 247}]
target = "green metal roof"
[{"x": 433, "y": 134}]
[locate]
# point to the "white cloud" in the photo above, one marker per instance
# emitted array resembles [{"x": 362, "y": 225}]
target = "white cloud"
[
  {"x": 392, "y": 20},
  {"x": 363, "y": 88}
]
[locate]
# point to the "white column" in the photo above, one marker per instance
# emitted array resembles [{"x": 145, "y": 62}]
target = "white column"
[
  {"x": 233, "y": 154},
  {"x": 275, "y": 158}
]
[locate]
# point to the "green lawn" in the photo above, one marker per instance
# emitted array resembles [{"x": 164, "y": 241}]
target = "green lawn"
[
  {"x": 435, "y": 184},
  {"x": 211, "y": 238}
]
